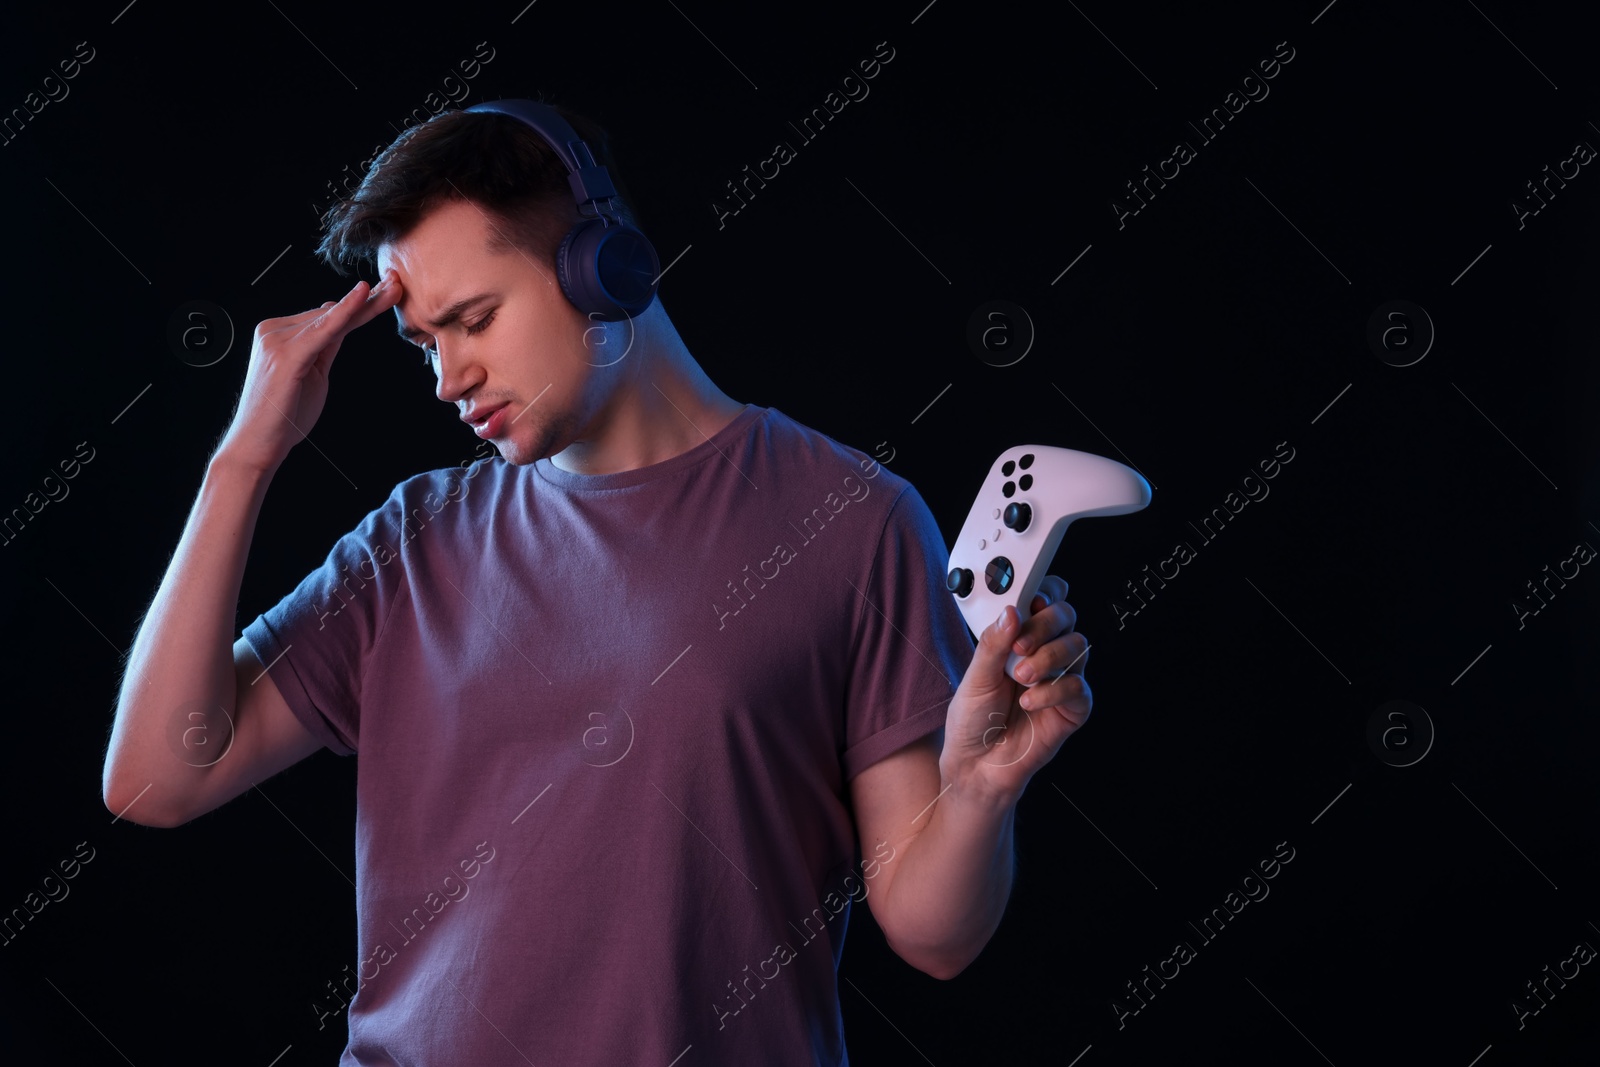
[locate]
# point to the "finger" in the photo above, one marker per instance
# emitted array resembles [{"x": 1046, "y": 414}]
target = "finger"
[
  {"x": 1063, "y": 681},
  {"x": 986, "y": 673},
  {"x": 326, "y": 331},
  {"x": 1077, "y": 653},
  {"x": 1040, "y": 627},
  {"x": 301, "y": 317},
  {"x": 325, "y": 324},
  {"x": 1070, "y": 694},
  {"x": 1063, "y": 655},
  {"x": 380, "y": 298},
  {"x": 1052, "y": 590},
  {"x": 292, "y": 322},
  {"x": 1047, "y": 624},
  {"x": 359, "y": 306}
]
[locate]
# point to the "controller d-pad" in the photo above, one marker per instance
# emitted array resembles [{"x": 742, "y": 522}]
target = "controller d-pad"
[
  {"x": 1009, "y": 489},
  {"x": 998, "y": 575},
  {"x": 1025, "y": 462},
  {"x": 1008, "y": 468}
]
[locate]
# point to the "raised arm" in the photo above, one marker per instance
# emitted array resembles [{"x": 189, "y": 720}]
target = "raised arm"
[{"x": 196, "y": 723}]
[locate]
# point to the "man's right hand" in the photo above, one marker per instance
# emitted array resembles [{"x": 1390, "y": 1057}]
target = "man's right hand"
[{"x": 287, "y": 381}]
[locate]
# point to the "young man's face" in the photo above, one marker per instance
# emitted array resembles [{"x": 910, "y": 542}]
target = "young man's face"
[{"x": 521, "y": 349}]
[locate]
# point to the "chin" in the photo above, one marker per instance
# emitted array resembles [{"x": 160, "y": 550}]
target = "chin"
[
  {"x": 518, "y": 452},
  {"x": 515, "y": 455}
]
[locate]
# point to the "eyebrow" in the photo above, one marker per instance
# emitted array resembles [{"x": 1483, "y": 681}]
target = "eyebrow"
[{"x": 446, "y": 317}]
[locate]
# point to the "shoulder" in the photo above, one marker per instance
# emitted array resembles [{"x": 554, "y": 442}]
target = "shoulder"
[
  {"x": 432, "y": 495},
  {"x": 451, "y": 483},
  {"x": 799, "y": 442}
]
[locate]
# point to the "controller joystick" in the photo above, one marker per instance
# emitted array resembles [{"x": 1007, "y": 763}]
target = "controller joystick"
[
  {"x": 959, "y": 581},
  {"x": 1035, "y": 491}
]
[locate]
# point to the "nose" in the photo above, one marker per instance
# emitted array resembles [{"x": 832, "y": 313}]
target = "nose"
[{"x": 455, "y": 379}]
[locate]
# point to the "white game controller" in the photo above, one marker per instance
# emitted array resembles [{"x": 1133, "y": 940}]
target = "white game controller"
[{"x": 1032, "y": 494}]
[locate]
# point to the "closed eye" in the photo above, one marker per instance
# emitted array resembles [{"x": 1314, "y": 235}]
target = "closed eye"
[{"x": 478, "y": 327}]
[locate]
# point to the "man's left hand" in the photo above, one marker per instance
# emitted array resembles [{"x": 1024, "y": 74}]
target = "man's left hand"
[{"x": 999, "y": 732}]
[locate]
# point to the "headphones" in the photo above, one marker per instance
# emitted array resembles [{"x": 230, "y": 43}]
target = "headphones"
[{"x": 608, "y": 269}]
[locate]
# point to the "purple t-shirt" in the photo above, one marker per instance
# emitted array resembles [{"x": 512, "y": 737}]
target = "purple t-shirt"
[{"x": 605, "y": 726}]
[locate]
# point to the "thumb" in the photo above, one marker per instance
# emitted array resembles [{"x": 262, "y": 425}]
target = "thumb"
[{"x": 988, "y": 671}]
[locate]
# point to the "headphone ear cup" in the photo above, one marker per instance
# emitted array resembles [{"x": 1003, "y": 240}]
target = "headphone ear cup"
[
  {"x": 607, "y": 269},
  {"x": 564, "y": 270}
]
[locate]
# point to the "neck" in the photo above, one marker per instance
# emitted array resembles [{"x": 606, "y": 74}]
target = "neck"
[{"x": 656, "y": 403}]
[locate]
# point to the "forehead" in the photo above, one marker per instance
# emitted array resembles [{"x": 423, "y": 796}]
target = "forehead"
[
  {"x": 449, "y": 239},
  {"x": 443, "y": 259}
]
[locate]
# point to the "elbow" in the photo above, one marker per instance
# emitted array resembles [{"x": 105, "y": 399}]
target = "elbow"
[
  {"x": 138, "y": 799},
  {"x": 139, "y": 807},
  {"x": 929, "y": 963},
  {"x": 944, "y": 970}
]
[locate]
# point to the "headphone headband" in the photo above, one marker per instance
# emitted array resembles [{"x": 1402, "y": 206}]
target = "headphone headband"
[
  {"x": 606, "y": 267},
  {"x": 590, "y": 181}
]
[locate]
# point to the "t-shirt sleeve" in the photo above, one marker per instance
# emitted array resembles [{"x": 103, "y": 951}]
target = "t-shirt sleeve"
[
  {"x": 316, "y": 641},
  {"x": 910, "y": 647}
]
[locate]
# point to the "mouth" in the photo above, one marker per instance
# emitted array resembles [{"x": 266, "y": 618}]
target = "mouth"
[{"x": 490, "y": 423}]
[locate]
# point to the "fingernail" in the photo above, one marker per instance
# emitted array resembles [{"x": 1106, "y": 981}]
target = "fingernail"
[{"x": 1000, "y": 623}]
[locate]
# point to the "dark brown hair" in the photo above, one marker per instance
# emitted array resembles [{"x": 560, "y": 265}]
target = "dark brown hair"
[{"x": 493, "y": 160}]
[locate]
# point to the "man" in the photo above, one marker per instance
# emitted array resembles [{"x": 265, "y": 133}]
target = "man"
[{"x": 610, "y": 688}]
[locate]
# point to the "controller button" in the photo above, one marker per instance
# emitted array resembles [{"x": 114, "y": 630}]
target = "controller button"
[
  {"x": 959, "y": 581},
  {"x": 1024, "y": 463},
  {"x": 1018, "y": 516},
  {"x": 982, "y": 543},
  {"x": 996, "y": 513},
  {"x": 997, "y": 576},
  {"x": 1025, "y": 482},
  {"x": 1009, "y": 489},
  {"x": 1008, "y": 468}
]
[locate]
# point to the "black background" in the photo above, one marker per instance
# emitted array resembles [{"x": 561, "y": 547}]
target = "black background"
[{"x": 1227, "y": 316}]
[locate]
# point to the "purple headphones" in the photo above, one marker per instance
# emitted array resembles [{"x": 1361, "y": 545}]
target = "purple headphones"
[{"x": 607, "y": 268}]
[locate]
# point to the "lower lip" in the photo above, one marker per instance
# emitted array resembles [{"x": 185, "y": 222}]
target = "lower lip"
[{"x": 490, "y": 427}]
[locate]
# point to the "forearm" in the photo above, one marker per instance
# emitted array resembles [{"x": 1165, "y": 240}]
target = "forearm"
[
  {"x": 182, "y": 657},
  {"x": 954, "y": 881}
]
